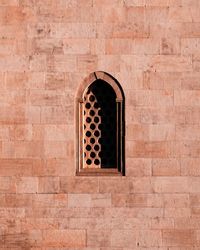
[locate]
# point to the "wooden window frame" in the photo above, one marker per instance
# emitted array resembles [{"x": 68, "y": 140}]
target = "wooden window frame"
[{"x": 120, "y": 168}]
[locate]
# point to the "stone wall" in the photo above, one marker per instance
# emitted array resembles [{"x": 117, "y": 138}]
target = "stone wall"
[{"x": 47, "y": 48}]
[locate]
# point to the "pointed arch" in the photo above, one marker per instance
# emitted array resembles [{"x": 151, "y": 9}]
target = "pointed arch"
[{"x": 100, "y": 126}]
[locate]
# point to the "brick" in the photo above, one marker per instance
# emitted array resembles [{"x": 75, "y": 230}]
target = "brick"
[
  {"x": 161, "y": 132},
  {"x": 62, "y": 63},
  {"x": 171, "y": 63},
  {"x": 123, "y": 30},
  {"x": 187, "y": 149},
  {"x": 47, "y": 98},
  {"x": 76, "y": 46},
  {"x": 162, "y": 80},
  {"x": 15, "y": 240},
  {"x": 23, "y": 149},
  {"x": 190, "y": 30},
  {"x": 114, "y": 185},
  {"x": 147, "y": 46},
  {"x": 138, "y": 167},
  {"x": 79, "y": 185},
  {"x": 195, "y": 212},
  {"x": 82, "y": 223},
  {"x": 165, "y": 30},
  {"x": 144, "y": 200},
  {"x": 194, "y": 184},
  {"x": 13, "y": 98},
  {"x": 147, "y": 149},
  {"x": 142, "y": 185},
  {"x": 187, "y": 115},
  {"x": 149, "y": 238},
  {"x": 127, "y": 238},
  {"x": 177, "y": 212},
  {"x": 52, "y": 167},
  {"x": 136, "y": 62},
  {"x": 186, "y": 223},
  {"x": 79, "y": 200},
  {"x": 7, "y": 185},
  {"x": 155, "y": 115},
  {"x": 13, "y": 63},
  {"x": 176, "y": 200},
  {"x": 191, "y": 3},
  {"x": 73, "y": 30},
  {"x": 89, "y": 15},
  {"x": 20, "y": 132},
  {"x": 190, "y": 81},
  {"x": 100, "y": 238},
  {"x": 16, "y": 167},
  {"x": 170, "y": 46},
  {"x": 55, "y": 81},
  {"x": 161, "y": 3},
  {"x": 9, "y": 3},
  {"x": 48, "y": 46},
  {"x": 150, "y": 98},
  {"x": 190, "y": 46},
  {"x": 86, "y": 63},
  {"x": 114, "y": 15},
  {"x": 58, "y": 132},
  {"x": 117, "y": 46},
  {"x": 190, "y": 167},
  {"x": 129, "y": 3},
  {"x": 119, "y": 200},
  {"x": 162, "y": 223},
  {"x": 109, "y": 62},
  {"x": 27, "y": 185},
  {"x": 50, "y": 200},
  {"x": 15, "y": 80},
  {"x": 178, "y": 237},
  {"x": 18, "y": 200},
  {"x": 133, "y": 80},
  {"x": 97, "y": 46},
  {"x": 4, "y": 133},
  {"x": 166, "y": 167},
  {"x": 137, "y": 200},
  {"x": 180, "y": 14},
  {"x": 58, "y": 149},
  {"x": 38, "y": 63},
  {"x": 156, "y": 14},
  {"x": 137, "y": 132},
  {"x": 196, "y": 62},
  {"x": 101, "y": 200},
  {"x": 10, "y": 31},
  {"x": 170, "y": 184},
  {"x": 57, "y": 114},
  {"x": 6, "y": 46},
  {"x": 48, "y": 185},
  {"x": 32, "y": 114},
  {"x": 64, "y": 238},
  {"x": 185, "y": 132}
]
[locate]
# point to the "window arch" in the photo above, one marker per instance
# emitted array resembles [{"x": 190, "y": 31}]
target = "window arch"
[{"x": 100, "y": 126}]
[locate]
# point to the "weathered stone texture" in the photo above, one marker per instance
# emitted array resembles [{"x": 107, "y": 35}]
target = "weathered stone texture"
[{"x": 47, "y": 48}]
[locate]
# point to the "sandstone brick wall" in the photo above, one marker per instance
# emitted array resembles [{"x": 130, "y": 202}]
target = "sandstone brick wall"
[{"x": 47, "y": 48}]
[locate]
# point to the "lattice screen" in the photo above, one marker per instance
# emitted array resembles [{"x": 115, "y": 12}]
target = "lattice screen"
[{"x": 99, "y": 126}]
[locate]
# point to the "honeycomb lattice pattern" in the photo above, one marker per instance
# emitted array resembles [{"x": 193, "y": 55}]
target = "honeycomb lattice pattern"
[{"x": 99, "y": 126}]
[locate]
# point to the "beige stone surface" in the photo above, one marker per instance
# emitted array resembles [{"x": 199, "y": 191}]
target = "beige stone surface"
[{"x": 47, "y": 49}]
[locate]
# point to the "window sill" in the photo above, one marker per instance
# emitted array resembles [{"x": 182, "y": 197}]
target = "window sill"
[{"x": 99, "y": 172}]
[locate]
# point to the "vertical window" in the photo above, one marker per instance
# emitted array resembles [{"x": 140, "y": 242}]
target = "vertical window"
[{"x": 101, "y": 127}]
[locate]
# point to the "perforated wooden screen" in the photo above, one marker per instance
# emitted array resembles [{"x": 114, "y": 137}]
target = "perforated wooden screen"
[{"x": 99, "y": 126}]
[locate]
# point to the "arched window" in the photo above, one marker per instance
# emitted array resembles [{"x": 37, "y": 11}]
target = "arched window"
[{"x": 100, "y": 126}]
